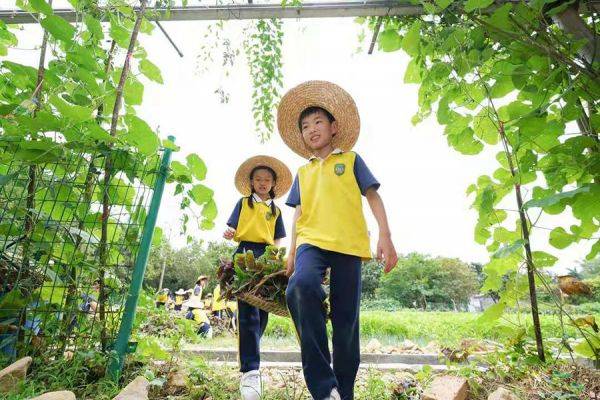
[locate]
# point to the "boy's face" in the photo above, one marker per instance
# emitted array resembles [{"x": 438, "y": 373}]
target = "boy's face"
[{"x": 317, "y": 131}]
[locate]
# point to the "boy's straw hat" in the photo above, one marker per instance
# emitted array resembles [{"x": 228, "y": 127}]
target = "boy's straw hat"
[
  {"x": 202, "y": 278},
  {"x": 322, "y": 94},
  {"x": 180, "y": 291},
  {"x": 284, "y": 176},
  {"x": 194, "y": 302}
]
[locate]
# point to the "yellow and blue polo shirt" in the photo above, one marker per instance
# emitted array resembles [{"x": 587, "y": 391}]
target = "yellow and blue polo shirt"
[
  {"x": 329, "y": 192},
  {"x": 257, "y": 224}
]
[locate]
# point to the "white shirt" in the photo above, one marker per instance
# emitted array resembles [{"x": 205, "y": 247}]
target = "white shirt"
[
  {"x": 335, "y": 151},
  {"x": 257, "y": 199}
]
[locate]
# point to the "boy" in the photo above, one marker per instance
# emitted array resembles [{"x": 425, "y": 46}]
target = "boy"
[{"x": 319, "y": 121}]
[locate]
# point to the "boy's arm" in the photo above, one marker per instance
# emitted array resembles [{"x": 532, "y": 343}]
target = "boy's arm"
[
  {"x": 292, "y": 253},
  {"x": 385, "y": 247}
]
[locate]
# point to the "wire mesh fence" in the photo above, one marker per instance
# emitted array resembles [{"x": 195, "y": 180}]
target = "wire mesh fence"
[{"x": 70, "y": 224}]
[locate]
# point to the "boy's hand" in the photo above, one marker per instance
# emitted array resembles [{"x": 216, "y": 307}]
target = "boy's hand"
[
  {"x": 229, "y": 233},
  {"x": 291, "y": 265},
  {"x": 386, "y": 252}
]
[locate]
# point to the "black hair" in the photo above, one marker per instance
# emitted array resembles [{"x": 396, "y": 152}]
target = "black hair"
[
  {"x": 313, "y": 110},
  {"x": 271, "y": 192}
]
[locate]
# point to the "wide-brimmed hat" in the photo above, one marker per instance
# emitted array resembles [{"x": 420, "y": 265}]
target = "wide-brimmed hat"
[
  {"x": 323, "y": 94},
  {"x": 194, "y": 302},
  {"x": 180, "y": 291},
  {"x": 202, "y": 278},
  {"x": 284, "y": 176}
]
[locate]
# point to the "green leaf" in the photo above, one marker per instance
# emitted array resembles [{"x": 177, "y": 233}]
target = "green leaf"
[
  {"x": 585, "y": 349},
  {"x": 541, "y": 259},
  {"x": 443, "y": 4},
  {"x": 58, "y": 27},
  {"x": 119, "y": 33},
  {"x": 411, "y": 41},
  {"x": 491, "y": 314},
  {"x": 472, "y": 5},
  {"x": 94, "y": 26},
  {"x": 510, "y": 249},
  {"x": 73, "y": 112},
  {"x": 500, "y": 18},
  {"x": 207, "y": 225},
  {"x": 180, "y": 172},
  {"x": 41, "y": 6},
  {"x": 560, "y": 239},
  {"x": 197, "y": 166},
  {"x": 209, "y": 211},
  {"x": 133, "y": 92},
  {"x": 157, "y": 236},
  {"x": 200, "y": 194},
  {"x": 413, "y": 72},
  {"x": 151, "y": 71},
  {"x": 486, "y": 129},
  {"x": 390, "y": 40},
  {"x": 555, "y": 198},
  {"x": 141, "y": 135}
]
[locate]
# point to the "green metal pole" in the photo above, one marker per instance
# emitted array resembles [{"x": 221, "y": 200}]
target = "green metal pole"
[{"x": 121, "y": 346}]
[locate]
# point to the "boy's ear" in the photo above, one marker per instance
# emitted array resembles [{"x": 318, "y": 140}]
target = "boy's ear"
[{"x": 334, "y": 128}]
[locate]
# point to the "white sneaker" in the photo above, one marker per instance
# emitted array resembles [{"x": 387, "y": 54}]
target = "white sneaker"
[
  {"x": 250, "y": 385},
  {"x": 334, "y": 395}
]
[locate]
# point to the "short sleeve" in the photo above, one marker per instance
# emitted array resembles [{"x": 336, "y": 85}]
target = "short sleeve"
[
  {"x": 235, "y": 215},
  {"x": 293, "y": 199},
  {"x": 279, "y": 228},
  {"x": 363, "y": 175}
]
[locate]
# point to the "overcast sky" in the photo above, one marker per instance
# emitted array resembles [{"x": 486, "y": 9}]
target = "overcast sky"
[{"x": 423, "y": 181}]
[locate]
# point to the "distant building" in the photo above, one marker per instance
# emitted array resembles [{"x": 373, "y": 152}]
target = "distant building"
[{"x": 480, "y": 302}]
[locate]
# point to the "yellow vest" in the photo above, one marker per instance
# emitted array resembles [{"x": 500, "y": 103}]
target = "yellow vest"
[
  {"x": 218, "y": 304},
  {"x": 178, "y": 300},
  {"x": 162, "y": 298},
  {"x": 332, "y": 216},
  {"x": 256, "y": 224},
  {"x": 200, "y": 316}
]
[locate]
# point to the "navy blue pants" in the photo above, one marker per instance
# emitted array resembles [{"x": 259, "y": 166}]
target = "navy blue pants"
[
  {"x": 305, "y": 297},
  {"x": 252, "y": 321}
]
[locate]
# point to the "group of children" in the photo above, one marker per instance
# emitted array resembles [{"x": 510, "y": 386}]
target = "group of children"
[
  {"x": 319, "y": 121},
  {"x": 195, "y": 307}
]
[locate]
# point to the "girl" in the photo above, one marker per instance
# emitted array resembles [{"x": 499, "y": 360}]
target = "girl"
[{"x": 255, "y": 223}]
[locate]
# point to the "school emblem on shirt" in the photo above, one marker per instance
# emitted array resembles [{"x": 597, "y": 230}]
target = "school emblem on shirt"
[
  {"x": 268, "y": 215},
  {"x": 339, "y": 169}
]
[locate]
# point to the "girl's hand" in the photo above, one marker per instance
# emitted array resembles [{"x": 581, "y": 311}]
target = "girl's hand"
[
  {"x": 291, "y": 265},
  {"x": 386, "y": 252},
  {"x": 229, "y": 233}
]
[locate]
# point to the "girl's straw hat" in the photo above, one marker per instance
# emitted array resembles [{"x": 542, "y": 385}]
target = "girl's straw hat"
[
  {"x": 322, "y": 94},
  {"x": 284, "y": 176}
]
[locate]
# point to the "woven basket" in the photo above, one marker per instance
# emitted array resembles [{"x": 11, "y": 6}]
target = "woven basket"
[{"x": 268, "y": 306}]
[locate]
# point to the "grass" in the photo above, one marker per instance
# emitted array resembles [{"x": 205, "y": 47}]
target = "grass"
[{"x": 446, "y": 328}]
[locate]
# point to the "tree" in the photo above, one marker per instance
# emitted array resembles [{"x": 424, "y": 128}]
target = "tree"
[
  {"x": 419, "y": 280},
  {"x": 183, "y": 266},
  {"x": 371, "y": 275}
]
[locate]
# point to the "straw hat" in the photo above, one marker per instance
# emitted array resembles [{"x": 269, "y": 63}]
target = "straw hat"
[
  {"x": 202, "y": 278},
  {"x": 180, "y": 291},
  {"x": 284, "y": 176},
  {"x": 194, "y": 302},
  {"x": 322, "y": 94}
]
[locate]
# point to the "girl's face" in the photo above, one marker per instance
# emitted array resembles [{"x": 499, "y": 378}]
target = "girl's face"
[{"x": 262, "y": 182}]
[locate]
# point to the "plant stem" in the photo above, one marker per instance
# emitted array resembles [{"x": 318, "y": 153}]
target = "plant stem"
[{"x": 103, "y": 251}]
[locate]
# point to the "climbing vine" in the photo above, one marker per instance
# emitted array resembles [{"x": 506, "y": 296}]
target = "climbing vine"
[
  {"x": 90, "y": 164},
  {"x": 509, "y": 79},
  {"x": 262, "y": 43}
]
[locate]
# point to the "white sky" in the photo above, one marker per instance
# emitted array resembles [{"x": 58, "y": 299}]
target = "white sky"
[{"x": 423, "y": 181}]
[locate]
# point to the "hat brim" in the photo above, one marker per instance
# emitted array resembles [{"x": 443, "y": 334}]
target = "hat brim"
[
  {"x": 284, "y": 176},
  {"x": 328, "y": 96}
]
